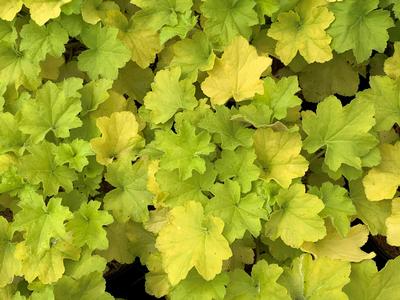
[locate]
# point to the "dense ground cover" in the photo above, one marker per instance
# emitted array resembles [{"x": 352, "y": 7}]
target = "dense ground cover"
[{"x": 199, "y": 149}]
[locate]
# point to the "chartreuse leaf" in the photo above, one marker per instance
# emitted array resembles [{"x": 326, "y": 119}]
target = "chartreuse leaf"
[
  {"x": 230, "y": 134},
  {"x": 322, "y": 278},
  {"x": 382, "y": 181},
  {"x": 120, "y": 247},
  {"x": 239, "y": 166},
  {"x": 384, "y": 95},
  {"x": 346, "y": 248},
  {"x": 130, "y": 198},
  {"x": 87, "y": 226},
  {"x": 393, "y": 224},
  {"x": 267, "y": 8},
  {"x": 356, "y": 19},
  {"x": 192, "y": 239},
  {"x": 239, "y": 213},
  {"x": 10, "y": 266},
  {"x": 90, "y": 286},
  {"x": 17, "y": 68},
  {"x": 143, "y": 43},
  {"x": 179, "y": 191},
  {"x": 369, "y": 284},
  {"x": 74, "y": 153},
  {"x": 342, "y": 131},
  {"x": 193, "y": 55},
  {"x": 185, "y": 22},
  {"x": 372, "y": 213},
  {"x": 39, "y": 41},
  {"x": 169, "y": 95},
  {"x": 120, "y": 136},
  {"x": 338, "y": 206},
  {"x": 194, "y": 287},
  {"x": 48, "y": 266},
  {"x": 41, "y": 11},
  {"x": 297, "y": 219},
  {"x": 106, "y": 53},
  {"x": 262, "y": 284},
  {"x": 8, "y": 9},
  {"x": 225, "y": 19},
  {"x": 93, "y": 94},
  {"x": 12, "y": 139},
  {"x": 155, "y": 14},
  {"x": 236, "y": 74},
  {"x": 242, "y": 253},
  {"x": 279, "y": 95},
  {"x": 303, "y": 30},
  {"x": 54, "y": 109},
  {"x": 40, "y": 167},
  {"x": 184, "y": 150},
  {"x": 157, "y": 283},
  {"x": 41, "y": 223},
  {"x": 278, "y": 154},
  {"x": 392, "y": 64}
]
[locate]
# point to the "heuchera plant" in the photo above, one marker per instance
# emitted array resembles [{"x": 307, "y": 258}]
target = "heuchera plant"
[{"x": 241, "y": 149}]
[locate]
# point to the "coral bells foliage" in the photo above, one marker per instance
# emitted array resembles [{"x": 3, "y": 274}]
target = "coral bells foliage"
[{"x": 240, "y": 149}]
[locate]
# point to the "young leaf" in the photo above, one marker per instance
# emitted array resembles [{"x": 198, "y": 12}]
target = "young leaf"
[
  {"x": 74, "y": 153},
  {"x": 194, "y": 287},
  {"x": 230, "y": 134},
  {"x": 262, "y": 284},
  {"x": 338, "y": 206},
  {"x": 225, "y": 19},
  {"x": 184, "y": 151},
  {"x": 239, "y": 166},
  {"x": 40, "y": 167},
  {"x": 130, "y": 198},
  {"x": 87, "y": 226},
  {"x": 169, "y": 95},
  {"x": 279, "y": 95}
]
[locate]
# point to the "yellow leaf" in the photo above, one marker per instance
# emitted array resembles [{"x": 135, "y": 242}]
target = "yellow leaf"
[
  {"x": 342, "y": 248},
  {"x": 382, "y": 181},
  {"x": 236, "y": 74},
  {"x": 392, "y": 64},
  {"x": 119, "y": 137},
  {"x": 279, "y": 155},
  {"x": 393, "y": 224},
  {"x": 143, "y": 43},
  {"x": 42, "y": 11},
  {"x": 303, "y": 30},
  {"x": 8, "y": 9},
  {"x": 192, "y": 239}
]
